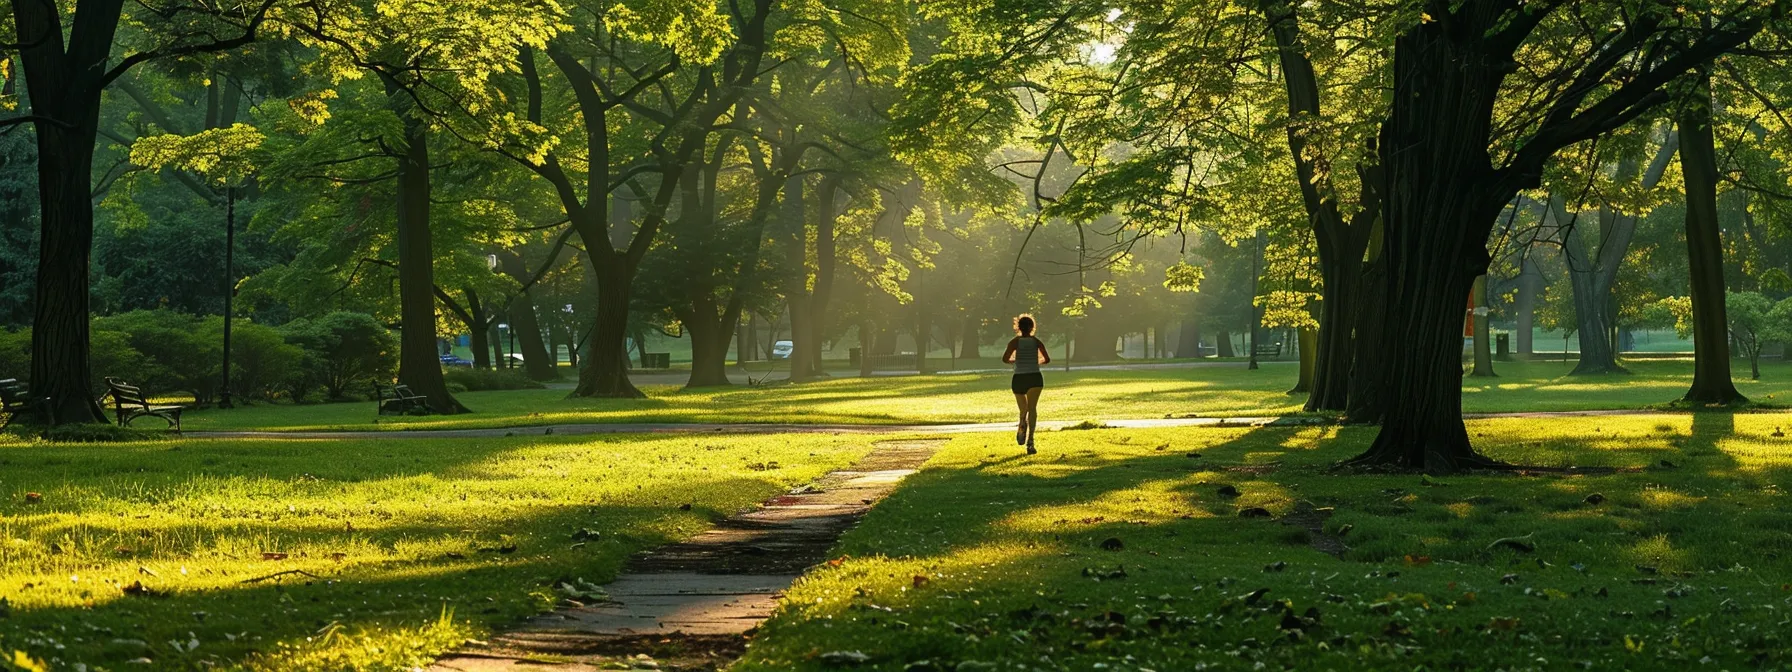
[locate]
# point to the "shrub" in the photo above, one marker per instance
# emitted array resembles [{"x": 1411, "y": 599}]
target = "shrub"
[
  {"x": 342, "y": 350},
  {"x": 262, "y": 364},
  {"x": 478, "y": 380},
  {"x": 169, "y": 352},
  {"x": 111, "y": 355},
  {"x": 15, "y": 354}
]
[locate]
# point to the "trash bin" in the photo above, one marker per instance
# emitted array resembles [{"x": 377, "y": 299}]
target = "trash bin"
[
  {"x": 852, "y": 355},
  {"x": 1502, "y": 346}
]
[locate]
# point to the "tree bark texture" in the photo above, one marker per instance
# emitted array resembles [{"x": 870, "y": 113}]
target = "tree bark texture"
[
  {"x": 1711, "y": 382},
  {"x": 1439, "y": 211},
  {"x": 419, "y": 367},
  {"x": 64, "y": 89}
]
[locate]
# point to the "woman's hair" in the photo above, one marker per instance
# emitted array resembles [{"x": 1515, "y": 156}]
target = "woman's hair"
[{"x": 1024, "y": 324}]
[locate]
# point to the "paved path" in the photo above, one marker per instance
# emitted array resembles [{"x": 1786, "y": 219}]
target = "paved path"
[
  {"x": 771, "y": 428},
  {"x": 688, "y": 606}
]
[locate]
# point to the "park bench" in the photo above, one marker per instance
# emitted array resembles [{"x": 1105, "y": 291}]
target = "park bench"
[
  {"x": 1269, "y": 350},
  {"x": 128, "y": 404},
  {"x": 16, "y": 399},
  {"x": 399, "y": 400}
]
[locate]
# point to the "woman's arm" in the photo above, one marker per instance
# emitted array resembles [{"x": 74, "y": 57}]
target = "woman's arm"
[
  {"x": 1013, "y": 344},
  {"x": 1045, "y": 354}
]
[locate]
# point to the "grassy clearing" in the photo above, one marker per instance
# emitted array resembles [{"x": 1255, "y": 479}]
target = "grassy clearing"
[
  {"x": 1074, "y": 395},
  {"x": 1116, "y": 549},
  {"x": 150, "y": 551}
]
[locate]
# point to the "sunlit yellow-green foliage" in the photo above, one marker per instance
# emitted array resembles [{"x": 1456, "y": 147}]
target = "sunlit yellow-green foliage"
[
  {"x": 470, "y": 40},
  {"x": 343, "y": 554},
  {"x": 225, "y": 155},
  {"x": 1119, "y": 545},
  {"x": 695, "y": 30}
]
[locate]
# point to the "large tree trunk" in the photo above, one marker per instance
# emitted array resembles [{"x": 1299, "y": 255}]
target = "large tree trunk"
[
  {"x": 1711, "y": 383},
  {"x": 1483, "y": 345},
  {"x": 1333, "y": 345},
  {"x": 60, "y": 364},
  {"x": 1222, "y": 344},
  {"x": 826, "y": 265},
  {"x": 418, "y": 365},
  {"x": 803, "y": 350},
  {"x": 1308, "y": 355},
  {"x": 1530, "y": 281},
  {"x": 971, "y": 336},
  {"x": 1188, "y": 340},
  {"x": 1340, "y": 241},
  {"x": 1440, "y": 207},
  {"x": 1095, "y": 339},
  {"x": 605, "y": 373},
  {"x": 1592, "y": 330},
  {"x": 710, "y": 334},
  {"x": 1591, "y": 274},
  {"x": 539, "y": 359},
  {"x": 64, "y": 90},
  {"x": 1367, "y": 370}
]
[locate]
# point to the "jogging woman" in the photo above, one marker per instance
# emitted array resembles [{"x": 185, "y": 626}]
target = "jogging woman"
[{"x": 1027, "y": 353}]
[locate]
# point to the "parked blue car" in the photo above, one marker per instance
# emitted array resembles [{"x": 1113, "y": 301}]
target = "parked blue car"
[{"x": 452, "y": 360}]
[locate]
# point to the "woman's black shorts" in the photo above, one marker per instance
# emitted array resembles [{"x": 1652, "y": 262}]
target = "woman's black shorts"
[{"x": 1027, "y": 381}]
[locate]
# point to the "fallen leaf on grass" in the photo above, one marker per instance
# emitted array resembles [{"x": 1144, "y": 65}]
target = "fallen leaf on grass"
[
  {"x": 271, "y": 555},
  {"x": 137, "y": 589}
]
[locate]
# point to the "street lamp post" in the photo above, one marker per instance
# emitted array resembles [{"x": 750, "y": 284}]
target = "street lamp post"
[{"x": 229, "y": 288}]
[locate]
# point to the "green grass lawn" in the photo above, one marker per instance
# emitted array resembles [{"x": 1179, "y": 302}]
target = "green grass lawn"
[
  {"x": 1074, "y": 395},
  {"x": 1116, "y": 549},
  {"x": 152, "y": 551}
]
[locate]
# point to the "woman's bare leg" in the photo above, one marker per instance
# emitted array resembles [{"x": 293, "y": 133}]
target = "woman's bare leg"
[
  {"x": 1020, "y": 435},
  {"x": 1032, "y": 414}
]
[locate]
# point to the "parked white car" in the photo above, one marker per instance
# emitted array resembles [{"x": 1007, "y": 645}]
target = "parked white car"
[{"x": 782, "y": 349}]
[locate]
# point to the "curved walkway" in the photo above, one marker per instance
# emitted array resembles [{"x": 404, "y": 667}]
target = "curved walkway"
[{"x": 769, "y": 428}]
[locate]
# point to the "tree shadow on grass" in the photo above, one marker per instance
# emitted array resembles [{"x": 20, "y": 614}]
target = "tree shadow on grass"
[
  {"x": 74, "y": 570},
  {"x": 1024, "y": 544}
]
